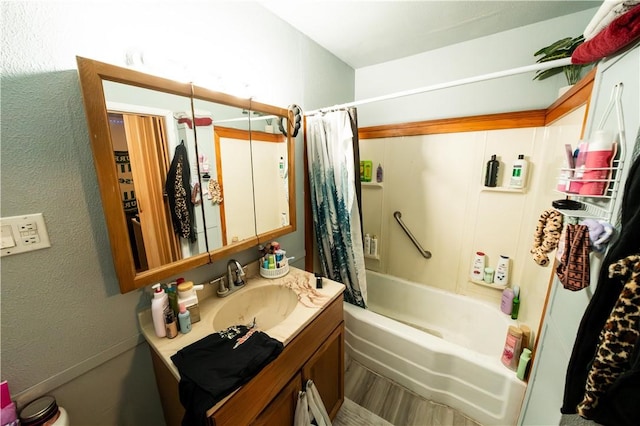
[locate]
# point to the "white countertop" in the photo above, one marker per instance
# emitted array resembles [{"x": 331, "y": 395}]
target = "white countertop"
[{"x": 311, "y": 301}]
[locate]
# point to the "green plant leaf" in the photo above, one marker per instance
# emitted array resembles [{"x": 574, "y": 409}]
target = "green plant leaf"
[
  {"x": 560, "y": 44},
  {"x": 541, "y": 75}
]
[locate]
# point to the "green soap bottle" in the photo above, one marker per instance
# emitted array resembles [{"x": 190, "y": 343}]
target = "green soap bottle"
[
  {"x": 525, "y": 357},
  {"x": 515, "y": 307}
]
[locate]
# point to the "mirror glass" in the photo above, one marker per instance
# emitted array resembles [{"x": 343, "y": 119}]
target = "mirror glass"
[
  {"x": 269, "y": 151},
  {"x": 155, "y": 154},
  {"x": 224, "y": 150},
  {"x": 177, "y": 187}
]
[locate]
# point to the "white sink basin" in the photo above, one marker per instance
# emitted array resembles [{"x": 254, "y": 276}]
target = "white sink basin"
[{"x": 269, "y": 305}]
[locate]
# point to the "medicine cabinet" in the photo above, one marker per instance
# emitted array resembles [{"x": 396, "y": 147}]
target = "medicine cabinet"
[{"x": 238, "y": 173}]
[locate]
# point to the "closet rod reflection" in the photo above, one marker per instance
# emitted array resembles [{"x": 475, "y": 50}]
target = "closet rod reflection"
[{"x": 425, "y": 253}]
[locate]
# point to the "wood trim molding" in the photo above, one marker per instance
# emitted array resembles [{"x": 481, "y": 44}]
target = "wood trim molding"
[
  {"x": 510, "y": 120},
  {"x": 578, "y": 95}
]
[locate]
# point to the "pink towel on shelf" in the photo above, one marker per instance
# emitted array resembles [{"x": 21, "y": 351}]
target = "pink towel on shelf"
[{"x": 620, "y": 33}]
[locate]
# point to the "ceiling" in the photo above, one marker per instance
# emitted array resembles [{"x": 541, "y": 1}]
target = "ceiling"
[{"x": 363, "y": 33}]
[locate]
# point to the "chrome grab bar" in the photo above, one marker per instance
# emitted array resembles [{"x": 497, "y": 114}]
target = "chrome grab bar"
[{"x": 426, "y": 254}]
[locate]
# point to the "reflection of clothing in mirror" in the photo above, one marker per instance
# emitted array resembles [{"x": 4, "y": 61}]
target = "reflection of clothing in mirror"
[
  {"x": 214, "y": 192},
  {"x": 179, "y": 193}
]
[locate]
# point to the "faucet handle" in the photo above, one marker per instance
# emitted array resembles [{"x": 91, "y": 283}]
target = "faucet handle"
[{"x": 222, "y": 288}]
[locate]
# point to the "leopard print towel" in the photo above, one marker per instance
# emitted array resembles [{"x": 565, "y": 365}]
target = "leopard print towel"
[{"x": 546, "y": 236}]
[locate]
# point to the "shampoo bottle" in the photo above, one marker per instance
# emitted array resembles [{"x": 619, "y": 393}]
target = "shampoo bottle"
[
  {"x": 159, "y": 309},
  {"x": 367, "y": 244},
  {"x": 491, "y": 175},
  {"x": 519, "y": 173},
  {"x": 184, "y": 318}
]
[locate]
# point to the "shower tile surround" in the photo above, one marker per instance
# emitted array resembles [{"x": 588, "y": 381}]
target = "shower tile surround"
[{"x": 436, "y": 182}]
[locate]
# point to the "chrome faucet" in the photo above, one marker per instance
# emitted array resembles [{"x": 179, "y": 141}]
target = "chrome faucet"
[{"x": 239, "y": 273}]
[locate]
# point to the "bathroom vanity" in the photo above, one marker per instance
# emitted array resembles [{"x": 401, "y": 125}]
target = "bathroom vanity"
[{"x": 307, "y": 320}]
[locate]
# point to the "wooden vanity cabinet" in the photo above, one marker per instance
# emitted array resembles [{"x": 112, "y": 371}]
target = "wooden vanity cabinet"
[{"x": 316, "y": 353}]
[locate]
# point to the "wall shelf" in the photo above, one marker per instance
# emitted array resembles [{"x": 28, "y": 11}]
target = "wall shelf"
[
  {"x": 484, "y": 284},
  {"x": 371, "y": 184},
  {"x": 370, "y": 256},
  {"x": 503, "y": 189}
]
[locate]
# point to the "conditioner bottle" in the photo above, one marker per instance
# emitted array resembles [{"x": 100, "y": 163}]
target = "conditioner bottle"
[{"x": 519, "y": 173}]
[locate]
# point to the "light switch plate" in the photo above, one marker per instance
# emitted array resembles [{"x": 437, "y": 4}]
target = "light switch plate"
[{"x": 23, "y": 233}]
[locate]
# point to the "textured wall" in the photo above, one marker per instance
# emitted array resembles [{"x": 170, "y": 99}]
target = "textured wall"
[{"x": 62, "y": 312}]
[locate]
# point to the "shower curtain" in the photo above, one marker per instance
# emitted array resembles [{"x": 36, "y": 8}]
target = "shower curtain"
[{"x": 334, "y": 203}]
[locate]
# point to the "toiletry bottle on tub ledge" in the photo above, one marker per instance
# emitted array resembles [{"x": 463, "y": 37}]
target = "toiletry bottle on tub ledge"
[{"x": 502, "y": 271}]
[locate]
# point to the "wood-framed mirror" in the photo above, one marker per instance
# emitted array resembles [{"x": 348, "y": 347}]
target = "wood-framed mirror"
[{"x": 160, "y": 164}]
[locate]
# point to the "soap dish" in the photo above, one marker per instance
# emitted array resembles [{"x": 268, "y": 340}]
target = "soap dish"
[{"x": 278, "y": 272}]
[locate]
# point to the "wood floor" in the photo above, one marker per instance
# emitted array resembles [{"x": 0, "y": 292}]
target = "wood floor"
[{"x": 389, "y": 403}]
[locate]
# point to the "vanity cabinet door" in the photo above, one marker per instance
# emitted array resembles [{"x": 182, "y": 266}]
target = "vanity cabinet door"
[
  {"x": 326, "y": 369},
  {"x": 282, "y": 408}
]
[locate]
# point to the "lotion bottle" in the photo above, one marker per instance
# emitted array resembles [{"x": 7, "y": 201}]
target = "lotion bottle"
[
  {"x": 184, "y": 318},
  {"x": 159, "y": 309},
  {"x": 506, "y": 304}
]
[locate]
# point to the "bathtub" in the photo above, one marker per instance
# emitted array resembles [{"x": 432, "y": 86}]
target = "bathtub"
[{"x": 443, "y": 346}]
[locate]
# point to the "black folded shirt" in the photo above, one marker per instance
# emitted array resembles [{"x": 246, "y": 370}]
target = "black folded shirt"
[{"x": 218, "y": 364}]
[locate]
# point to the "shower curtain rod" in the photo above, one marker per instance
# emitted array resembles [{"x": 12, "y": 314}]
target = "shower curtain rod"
[{"x": 483, "y": 77}]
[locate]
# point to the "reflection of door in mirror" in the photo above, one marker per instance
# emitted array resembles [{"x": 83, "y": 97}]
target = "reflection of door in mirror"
[
  {"x": 225, "y": 151},
  {"x": 271, "y": 185},
  {"x": 236, "y": 177},
  {"x": 139, "y": 142},
  {"x": 147, "y": 128}
]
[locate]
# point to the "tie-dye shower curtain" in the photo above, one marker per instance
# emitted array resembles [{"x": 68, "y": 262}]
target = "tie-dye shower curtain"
[{"x": 336, "y": 216}]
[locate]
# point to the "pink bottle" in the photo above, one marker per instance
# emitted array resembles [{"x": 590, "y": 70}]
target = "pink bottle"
[
  {"x": 597, "y": 164},
  {"x": 576, "y": 182}
]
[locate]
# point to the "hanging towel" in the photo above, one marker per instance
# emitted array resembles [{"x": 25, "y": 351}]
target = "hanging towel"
[
  {"x": 546, "y": 236},
  {"x": 218, "y": 364},
  {"x": 609, "y": 10},
  {"x": 310, "y": 410},
  {"x": 573, "y": 270},
  {"x": 606, "y": 294},
  {"x": 618, "y": 339},
  {"x": 178, "y": 189},
  {"x": 620, "y": 33}
]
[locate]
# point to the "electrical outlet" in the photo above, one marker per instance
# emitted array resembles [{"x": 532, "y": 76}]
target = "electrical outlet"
[{"x": 23, "y": 233}]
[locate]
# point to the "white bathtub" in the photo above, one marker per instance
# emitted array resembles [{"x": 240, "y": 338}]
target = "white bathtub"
[{"x": 451, "y": 354}]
